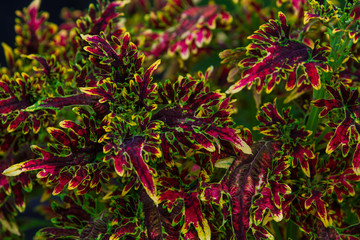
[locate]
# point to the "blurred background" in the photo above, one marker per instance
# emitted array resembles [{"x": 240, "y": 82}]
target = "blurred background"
[{"x": 7, "y": 16}]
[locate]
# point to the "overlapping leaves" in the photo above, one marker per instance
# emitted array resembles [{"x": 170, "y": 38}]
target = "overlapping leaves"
[
  {"x": 118, "y": 58},
  {"x": 347, "y": 101},
  {"x": 77, "y": 217},
  {"x": 188, "y": 28},
  {"x": 75, "y": 160},
  {"x": 34, "y": 33},
  {"x": 284, "y": 128},
  {"x": 196, "y": 116},
  {"x": 254, "y": 187},
  {"x": 163, "y": 148},
  {"x": 102, "y": 18},
  {"x": 17, "y": 94}
]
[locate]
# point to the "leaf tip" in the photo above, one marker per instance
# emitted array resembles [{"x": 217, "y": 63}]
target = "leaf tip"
[
  {"x": 13, "y": 170},
  {"x": 245, "y": 148}
]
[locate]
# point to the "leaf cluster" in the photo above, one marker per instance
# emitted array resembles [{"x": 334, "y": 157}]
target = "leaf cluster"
[{"x": 117, "y": 121}]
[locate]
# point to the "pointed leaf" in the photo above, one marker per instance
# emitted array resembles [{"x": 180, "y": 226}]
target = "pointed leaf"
[
  {"x": 320, "y": 206},
  {"x": 133, "y": 150},
  {"x": 194, "y": 215}
]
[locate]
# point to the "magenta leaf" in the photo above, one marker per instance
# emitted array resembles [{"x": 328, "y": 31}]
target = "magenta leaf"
[
  {"x": 341, "y": 136},
  {"x": 191, "y": 214},
  {"x": 130, "y": 154},
  {"x": 105, "y": 90},
  {"x": 273, "y": 56},
  {"x": 187, "y": 31},
  {"x": 72, "y": 161},
  {"x": 143, "y": 88},
  {"x": 12, "y": 189},
  {"x": 16, "y": 95},
  {"x": 260, "y": 232},
  {"x": 126, "y": 229},
  {"x": 108, "y": 14},
  {"x": 284, "y": 128},
  {"x": 264, "y": 202},
  {"x": 32, "y": 29},
  {"x": 133, "y": 149},
  {"x": 301, "y": 155},
  {"x": 46, "y": 67},
  {"x": 322, "y": 212},
  {"x": 118, "y": 53},
  {"x": 271, "y": 198},
  {"x": 356, "y": 160},
  {"x": 189, "y": 97},
  {"x": 347, "y": 101},
  {"x": 245, "y": 173},
  {"x": 341, "y": 180},
  {"x": 101, "y": 17}
]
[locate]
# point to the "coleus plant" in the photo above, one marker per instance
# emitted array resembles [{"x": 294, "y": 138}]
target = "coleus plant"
[{"x": 118, "y": 124}]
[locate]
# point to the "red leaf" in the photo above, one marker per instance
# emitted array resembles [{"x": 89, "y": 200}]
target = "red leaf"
[
  {"x": 74, "y": 128},
  {"x": 64, "y": 179},
  {"x": 132, "y": 148},
  {"x": 341, "y": 136},
  {"x": 356, "y": 160},
  {"x": 18, "y": 121},
  {"x": 263, "y": 203},
  {"x": 125, "y": 229},
  {"x": 203, "y": 141},
  {"x": 61, "y": 102},
  {"x": 170, "y": 197},
  {"x": 111, "y": 12},
  {"x": 120, "y": 163},
  {"x": 19, "y": 196},
  {"x": 61, "y": 137},
  {"x": 188, "y": 31},
  {"x": 276, "y": 59},
  {"x": 245, "y": 173},
  {"x": 313, "y": 75},
  {"x": 194, "y": 215},
  {"x": 46, "y": 67},
  {"x": 302, "y": 154},
  {"x": 80, "y": 175},
  {"x": 230, "y": 135},
  {"x": 320, "y": 206}
]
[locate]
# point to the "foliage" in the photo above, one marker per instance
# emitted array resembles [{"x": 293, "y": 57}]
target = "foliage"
[{"x": 121, "y": 120}]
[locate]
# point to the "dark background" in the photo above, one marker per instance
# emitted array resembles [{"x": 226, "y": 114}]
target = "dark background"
[{"x": 53, "y": 7}]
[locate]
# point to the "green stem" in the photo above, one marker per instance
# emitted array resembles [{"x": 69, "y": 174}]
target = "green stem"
[
  {"x": 313, "y": 120},
  {"x": 291, "y": 230},
  {"x": 322, "y": 135},
  {"x": 336, "y": 57},
  {"x": 278, "y": 235}
]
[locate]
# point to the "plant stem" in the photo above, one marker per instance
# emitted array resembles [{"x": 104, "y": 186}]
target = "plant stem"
[
  {"x": 313, "y": 120},
  {"x": 278, "y": 235},
  {"x": 326, "y": 130},
  {"x": 336, "y": 57},
  {"x": 291, "y": 230}
]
